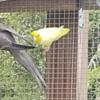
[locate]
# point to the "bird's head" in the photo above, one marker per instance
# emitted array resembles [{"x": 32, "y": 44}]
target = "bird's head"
[{"x": 37, "y": 37}]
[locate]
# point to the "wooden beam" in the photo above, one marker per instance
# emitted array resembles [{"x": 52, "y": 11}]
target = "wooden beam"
[
  {"x": 27, "y": 5},
  {"x": 82, "y": 62},
  {"x": 89, "y": 5}
]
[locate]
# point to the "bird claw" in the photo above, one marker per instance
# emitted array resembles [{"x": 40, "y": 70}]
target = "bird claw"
[{"x": 46, "y": 50}]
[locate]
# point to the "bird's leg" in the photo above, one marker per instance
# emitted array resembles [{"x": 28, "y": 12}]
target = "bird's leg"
[{"x": 46, "y": 50}]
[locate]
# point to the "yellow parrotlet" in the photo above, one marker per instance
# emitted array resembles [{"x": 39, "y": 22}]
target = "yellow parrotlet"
[{"x": 46, "y": 36}]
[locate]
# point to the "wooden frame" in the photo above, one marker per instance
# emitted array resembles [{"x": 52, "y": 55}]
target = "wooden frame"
[
  {"x": 82, "y": 58},
  {"x": 82, "y": 53}
]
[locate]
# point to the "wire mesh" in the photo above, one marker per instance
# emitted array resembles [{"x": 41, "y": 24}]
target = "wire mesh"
[
  {"x": 93, "y": 80},
  {"x": 68, "y": 67},
  {"x": 61, "y": 59}
]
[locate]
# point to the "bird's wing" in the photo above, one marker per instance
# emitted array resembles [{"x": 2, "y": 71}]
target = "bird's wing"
[
  {"x": 15, "y": 46},
  {"x": 7, "y": 28},
  {"x": 52, "y": 34},
  {"x": 47, "y": 35},
  {"x": 7, "y": 41},
  {"x": 47, "y": 32},
  {"x": 4, "y": 27}
]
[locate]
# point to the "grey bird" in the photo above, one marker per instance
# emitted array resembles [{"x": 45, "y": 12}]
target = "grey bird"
[{"x": 8, "y": 43}]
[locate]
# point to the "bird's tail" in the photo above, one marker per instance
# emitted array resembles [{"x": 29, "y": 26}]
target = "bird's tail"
[
  {"x": 62, "y": 31},
  {"x": 25, "y": 60}
]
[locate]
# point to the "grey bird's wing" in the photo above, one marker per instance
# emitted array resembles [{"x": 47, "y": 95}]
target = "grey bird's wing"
[
  {"x": 6, "y": 41},
  {"x": 11, "y": 30},
  {"x": 21, "y": 47}
]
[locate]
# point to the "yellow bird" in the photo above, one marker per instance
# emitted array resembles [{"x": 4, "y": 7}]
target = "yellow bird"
[{"x": 46, "y": 36}]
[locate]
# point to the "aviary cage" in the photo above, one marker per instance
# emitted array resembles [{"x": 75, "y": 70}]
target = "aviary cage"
[{"x": 67, "y": 60}]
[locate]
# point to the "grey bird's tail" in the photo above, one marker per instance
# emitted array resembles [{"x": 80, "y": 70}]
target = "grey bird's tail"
[{"x": 25, "y": 60}]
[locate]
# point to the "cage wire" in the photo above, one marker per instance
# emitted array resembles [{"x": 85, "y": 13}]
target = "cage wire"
[
  {"x": 71, "y": 70},
  {"x": 94, "y": 57}
]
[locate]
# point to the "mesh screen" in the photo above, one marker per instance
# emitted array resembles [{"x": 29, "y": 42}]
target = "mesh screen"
[
  {"x": 93, "y": 56},
  {"x": 71, "y": 67},
  {"x": 62, "y": 58}
]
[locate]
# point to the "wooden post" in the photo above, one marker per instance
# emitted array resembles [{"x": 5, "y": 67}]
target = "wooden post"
[{"x": 82, "y": 62}]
